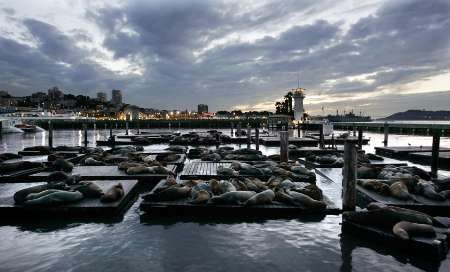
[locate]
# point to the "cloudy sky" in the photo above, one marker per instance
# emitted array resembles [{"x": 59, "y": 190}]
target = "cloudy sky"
[{"x": 373, "y": 56}]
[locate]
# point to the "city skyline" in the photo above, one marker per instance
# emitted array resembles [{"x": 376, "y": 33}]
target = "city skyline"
[{"x": 378, "y": 57}]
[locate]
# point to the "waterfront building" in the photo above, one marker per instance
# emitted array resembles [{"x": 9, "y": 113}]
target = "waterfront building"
[
  {"x": 116, "y": 97},
  {"x": 202, "y": 108},
  {"x": 299, "y": 110},
  {"x": 102, "y": 97}
]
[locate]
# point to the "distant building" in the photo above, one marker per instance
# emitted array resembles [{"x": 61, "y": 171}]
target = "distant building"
[
  {"x": 102, "y": 97},
  {"x": 38, "y": 98},
  {"x": 54, "y": 94},
  {"x": 116, "y": 97},
  {"x": 299, "y": 110},
  {"x": 202, "y": 108},
  {"x": 131, "y": 112}
]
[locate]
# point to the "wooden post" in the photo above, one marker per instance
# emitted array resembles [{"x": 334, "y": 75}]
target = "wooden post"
[
  {"x": 50, "y": 134},
  {"x": 349, "y": 177},
  {"x": 360, "y": 137},
  {"x": 138, "y": 127},
  {"x": 386, "y": 134},
  {"x": 354, "y": 130},
  {"x": 257, "y": 138},
  {"x": 284, "y": 143},
  {"x": 110, "y": 131},
  {"x": 170, "y": 126},
  {"x": 249, "y": 135},
  {"x": 333, "y": 142},
  {"x": 238, "y": 129},
  {"x": 232, "y": 127},
  {"x": 126, "y": 128},
  {"x": 321, "y": 138},
  {"x": 85, "y": 135},
  {"x": 435, "y": 152},
  {"x": 116, "y": 125},
  {"x": 298, "y": 129}
]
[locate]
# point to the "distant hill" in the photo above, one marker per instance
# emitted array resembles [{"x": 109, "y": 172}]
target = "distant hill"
[{"x": 420, "y": 115}]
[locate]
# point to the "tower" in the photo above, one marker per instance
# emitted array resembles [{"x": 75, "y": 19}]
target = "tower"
[{"x": 299, "y": 95}]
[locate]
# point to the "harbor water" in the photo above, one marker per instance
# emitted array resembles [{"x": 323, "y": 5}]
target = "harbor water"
[{"x": 145, "y": 243}]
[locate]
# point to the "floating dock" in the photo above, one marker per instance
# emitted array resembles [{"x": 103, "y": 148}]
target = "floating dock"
[
  {"x": 402, "y": 152},
  {"x": 182, "y": 208},
  {"x": 104, "y": 173},
  {"x": 86, "y": 208},
  {"x": 208, "y": 170},
  {"x": 275, "y": 141},
  {"x": 425, "y": 158}
]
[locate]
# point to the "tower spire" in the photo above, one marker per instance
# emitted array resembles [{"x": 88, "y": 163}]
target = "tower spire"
[{"x": 298, "y": 80}]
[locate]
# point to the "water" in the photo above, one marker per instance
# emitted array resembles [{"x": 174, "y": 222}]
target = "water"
[{"x": 142, "y": 243}]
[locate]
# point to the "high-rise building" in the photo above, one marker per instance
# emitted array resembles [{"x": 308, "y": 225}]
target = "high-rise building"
[
  {"x": 116, "y": 97},
  {"x": 201, "y": 108},
  {"x": 299, "y": 110},
  {"x": 102, "y": 96}
]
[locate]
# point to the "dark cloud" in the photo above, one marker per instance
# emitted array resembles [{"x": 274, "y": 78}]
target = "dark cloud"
[{"x": 176, "y": 43}]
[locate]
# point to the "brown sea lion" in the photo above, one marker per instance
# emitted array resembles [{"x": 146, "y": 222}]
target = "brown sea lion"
[
  {"x": 137, "y": 170},
  {"x": 202, "y": 197},
  {"x": 310, "y": 190},
  {"x": 93, "y": 162},
  {"x": 232, "y": 198},
  {"x": 169, "y": 194},
  {"x": 215, "y": 186},
  {"x": 374, "y": 185},
  {"x": 307, "y": 201},
  {"x": 445, "y": 194},
  {"x": 428, "y": 190},
  {"x": 62, "y": 165},
  {"x": 88, "y": 189},
  {"x": 405, "y": 230},
  {"x": 265, "y": 197},
  {"x": 400, "y": 191},
  {"x": 113, "y": 194}
]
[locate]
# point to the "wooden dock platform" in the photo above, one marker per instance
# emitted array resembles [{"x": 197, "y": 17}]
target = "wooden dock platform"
[
  {"x": 435, "y": 248},
  {"x": 207, "y": 170},
  {"x": 402, "y": 152},
  {"x": 425, "y": 158},
  {"x": 103, "y": 173},
  {"x": 183, "y": 208},
  {"x": 86, "y": 208},
  {"x": 328, "y": 140},
  {"x": 275, "y": 141}
]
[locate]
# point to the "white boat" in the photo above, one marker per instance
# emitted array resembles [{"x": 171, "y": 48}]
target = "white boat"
[{"x": 9, "y": 126}]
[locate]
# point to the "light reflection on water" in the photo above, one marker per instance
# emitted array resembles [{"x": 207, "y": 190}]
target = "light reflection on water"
[{"x": 142, "y": 243}]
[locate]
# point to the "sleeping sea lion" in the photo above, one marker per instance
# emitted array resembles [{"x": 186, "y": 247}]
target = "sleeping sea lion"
[
  {"x": 307, "y": 201},
  {"x": 57, "y": 176},
  {"x": 41, "y": 194},
  {"x": 201, "y": 197},
  {"x": 88, "y": 189},
  {"x": 137, "y": 170},
  {"x": 226, "y": 186},
  {"x": 225, "y": 171},
  {"x": 127, "y": 164},
  {"x": 428, "y": 190},
  {"x": 62, "y": 165},
  {"x": 405, "y": 230},
  {"x": 445, "y": 194},
  {"x": 113, "y": 194},
  {"x": 55, "y": 198},
  {"x": 6, "y": 168},
  {"x": 172, "y": 193},
  {"x": 374, "y": 185},
  {"x": 93, "y": 162},
  {"x": 400, "y": 191},
  {"x": 265, "y": 197},
  {"x": 20, "y": 196},
  {"x": 215, "y": 186},
  {"x": 232, "y": 198},
  {"x": 310, "y": 190}
]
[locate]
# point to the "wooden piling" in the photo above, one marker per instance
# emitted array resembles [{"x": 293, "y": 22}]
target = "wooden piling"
[
  {"x": 435, "y": 152},
  {"x": 386, "y": 134},
  {"x": 257, "y": 138},
  {"x": 284, "y": 143},
  {"x": 238, "y": 129},
  {"x": 126, "y": 128},
  {"x": 50, "y": 134},
  {"x": 249, "y": 135},
  {"x": 321, "y": 138},
  {"x": 138, "y": 127},
  {"x": 360, "y": 137},
  {"x": 349, "y": 176},
  {"x": 232, "y": 127},
  {"x": 298, "y": 129},
  {"x": 85, "y": 135},
  {"x": 354, "y": 130}
]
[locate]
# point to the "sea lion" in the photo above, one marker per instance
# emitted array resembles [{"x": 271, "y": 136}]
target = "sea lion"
[
  {"x": 405, "y": 230},
  {"x": 211, "y": 157},
  {"x": 172, "y": 193},
  {"x": 232, "y": 198},
  {"x": 88, "y": 189},
  {"x": 310, "y": 190},
  {"x": 274, "y": 181},
  {"x": 226, "y": 186},
  {"x": 62, "y": 165},
  {"x": 57, "y": 176},
  {"x": 445, "y": 194},
  {"x": 283, "y": 197},
  {"x": 201, "y": 197},
  {"x": 41, "y": 194},
  {"x": 428, "y": 190},
  {"x": 265, "y": 197},
  {"x": 204, "y": 186},
  {"x": 137, "y": 170},
  {"x": 113, "y": 194},
  {"x": 6, "y": 168},
  {"x": 298, "y": 169},
  {"x": 55, "y": 198},
  {"x": 127, "y": 164},
  {"x": 9, "y": 156},
  {"x": 177, "y": 148},
  {"x": 307, "y": 201},
  {"x": 225, "y": 171},
  {"x": 93, "y": 162},
  {"x": 215, "y": 186},
  {"x": 20, "y": 196},
  {"x": 400, "y": 191},
  {"x": 365, "y": 172},
  {"x": 374, "y": 185}
]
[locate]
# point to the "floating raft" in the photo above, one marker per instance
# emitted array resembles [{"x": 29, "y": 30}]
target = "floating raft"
[
  {"x": 104, "y": 173},
  {"x": 182, "y": 208},
  {"x": 86, "y": 208},
  {"x": 423, "y": 204},
  {"x": 208, "y": 170},
  {"x": 425, "y": 158},
  {"x": 435, "y": 248},
  {"x": 178, "y": 163},
  {"x": 402, "y": 152},
  {"x": 274, "y": 141}
]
